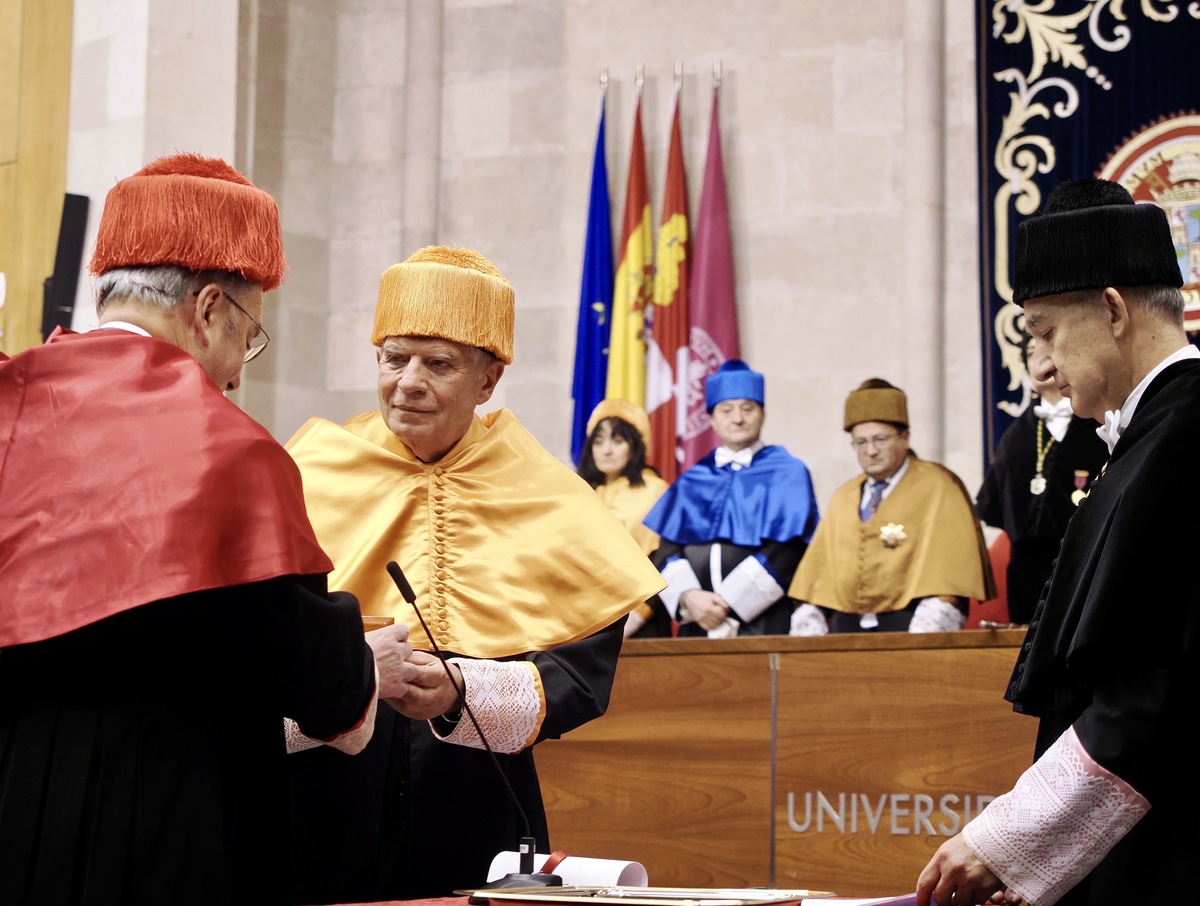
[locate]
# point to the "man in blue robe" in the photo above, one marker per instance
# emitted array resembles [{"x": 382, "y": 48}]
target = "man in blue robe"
[{"x": 735, "y": 525}]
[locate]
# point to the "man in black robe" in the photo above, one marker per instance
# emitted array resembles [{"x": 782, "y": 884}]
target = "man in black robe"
[
  {"x": 163, "y": 602},
  {"x": 1043, "y": 467},
  {"x": 1106, "y": 814}
]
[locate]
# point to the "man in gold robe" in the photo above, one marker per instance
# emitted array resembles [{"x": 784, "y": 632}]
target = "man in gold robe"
[
  {"x": 899, "y": 548},
  {"x": 521, "y": 574}
]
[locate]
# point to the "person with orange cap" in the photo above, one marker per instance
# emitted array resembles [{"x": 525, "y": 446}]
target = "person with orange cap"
[
  {"x": 613, "y": 462},
  {"x": 521, "y": 574},
  {"x": 163, "y": 603}
]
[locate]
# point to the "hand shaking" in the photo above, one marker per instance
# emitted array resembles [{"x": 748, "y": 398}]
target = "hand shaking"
[{"x": 392, "y": 652}]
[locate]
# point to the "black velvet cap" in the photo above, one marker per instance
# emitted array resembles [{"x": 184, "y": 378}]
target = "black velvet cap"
[{"x": 1092, "y": 234}]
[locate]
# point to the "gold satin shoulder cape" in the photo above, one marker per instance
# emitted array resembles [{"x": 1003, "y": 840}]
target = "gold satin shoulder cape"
[
  {"x": 507, "y": 549},
  {"x": 850, "y": 567},
  {"x": 630, "y": 505}
]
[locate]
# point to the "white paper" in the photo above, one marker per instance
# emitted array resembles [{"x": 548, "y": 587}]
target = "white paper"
[{"x": 578, "y": 871}]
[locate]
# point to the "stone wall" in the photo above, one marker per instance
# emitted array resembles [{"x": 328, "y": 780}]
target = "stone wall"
[{"x": 382, "y": 125}]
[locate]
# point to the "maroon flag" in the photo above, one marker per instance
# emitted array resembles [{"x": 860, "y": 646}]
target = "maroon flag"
[
  {"x": 667, "y": 348},
  {"x": 712, "y": 304}
]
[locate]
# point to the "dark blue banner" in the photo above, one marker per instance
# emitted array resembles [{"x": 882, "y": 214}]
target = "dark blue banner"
[
  {"x": 1068, "y": 90},
  {"x": 595, "y": 302}
]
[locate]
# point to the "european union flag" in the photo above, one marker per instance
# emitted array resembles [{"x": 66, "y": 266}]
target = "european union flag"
[{"x": 595, "y": 302}]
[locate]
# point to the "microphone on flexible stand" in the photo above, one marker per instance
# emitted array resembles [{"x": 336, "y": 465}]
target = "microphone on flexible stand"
[{"x": 525, "y": 876}]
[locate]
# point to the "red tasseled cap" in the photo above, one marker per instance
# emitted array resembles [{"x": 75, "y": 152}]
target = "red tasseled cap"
[{"x": 196, "y": 212}]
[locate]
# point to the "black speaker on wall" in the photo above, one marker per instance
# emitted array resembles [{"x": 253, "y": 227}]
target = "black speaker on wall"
[{"x": 58, "y": 290}]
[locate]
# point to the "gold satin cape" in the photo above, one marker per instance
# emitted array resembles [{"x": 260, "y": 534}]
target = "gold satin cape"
[
  {"x": 630, "y": 505},
  {"x": 507, "y": 549},
  {"x": 849, "y": 567}
]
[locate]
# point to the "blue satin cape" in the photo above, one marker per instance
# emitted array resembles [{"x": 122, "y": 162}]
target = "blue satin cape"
[{"x": 772, "y": 500}]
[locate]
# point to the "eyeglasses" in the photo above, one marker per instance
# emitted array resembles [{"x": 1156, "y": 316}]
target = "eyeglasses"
[
  {"x": 261, "y": 339},
  {"x": 881, "y": 441}
]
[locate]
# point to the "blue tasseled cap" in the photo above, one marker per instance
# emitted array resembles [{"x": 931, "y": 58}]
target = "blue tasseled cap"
[{"x": 734, "y": 381}]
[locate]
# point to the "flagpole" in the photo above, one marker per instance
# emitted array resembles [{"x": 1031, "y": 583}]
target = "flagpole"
[{"x": 603, "y": 88}]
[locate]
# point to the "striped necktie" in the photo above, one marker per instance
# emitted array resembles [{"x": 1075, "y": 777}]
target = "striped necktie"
[{"x": 868, "y": 509}]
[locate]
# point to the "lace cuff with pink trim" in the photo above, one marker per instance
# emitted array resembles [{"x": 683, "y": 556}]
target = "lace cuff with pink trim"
[
  {"x": 351, "y": 742},
  {"x": 1062, "y": 817},
  {"x": 506, "y": 698}
]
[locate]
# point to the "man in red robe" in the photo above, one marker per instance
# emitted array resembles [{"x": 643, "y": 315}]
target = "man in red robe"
[{"x": 163, "y": 602}]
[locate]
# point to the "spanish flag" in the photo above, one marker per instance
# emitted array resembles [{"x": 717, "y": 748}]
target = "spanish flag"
[{"x": 634, "y": 284}]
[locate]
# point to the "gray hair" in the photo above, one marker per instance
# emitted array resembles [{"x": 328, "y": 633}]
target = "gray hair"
[
  {"x": 161, "y": 286},
  {"x": 1165, "y": 302},
  {"x": 483, "y": 358}
]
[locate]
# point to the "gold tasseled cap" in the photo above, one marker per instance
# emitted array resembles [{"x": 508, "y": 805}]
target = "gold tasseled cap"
[
  {"x": 455, "y": 294},
  {"x": 195, "y": 212},
  {"x": 626, "y": 411},
  {"x": 876, "y": 400}
]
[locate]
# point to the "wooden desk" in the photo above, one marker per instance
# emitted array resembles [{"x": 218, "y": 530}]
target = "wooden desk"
[{"x": 837, "y": 763}]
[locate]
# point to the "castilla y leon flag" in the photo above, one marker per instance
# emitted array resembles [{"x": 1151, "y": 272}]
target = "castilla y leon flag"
[
  {"x": 595, "y": 301},
  {"x": 634, "y": 283},
  {"x": 667, "y": 346},
  {"x": 712, "y": 304}
]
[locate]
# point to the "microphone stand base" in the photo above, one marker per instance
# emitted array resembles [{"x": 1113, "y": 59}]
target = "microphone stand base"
[{"x": 514, "y": 880}]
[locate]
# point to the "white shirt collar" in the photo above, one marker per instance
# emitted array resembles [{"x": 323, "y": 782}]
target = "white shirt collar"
[
  {"x": 1117, "y": 420},
  {"x": 889, "y": 483},
  {"x": 122, "y": 325},
  {"x": 739, "y": 459},
  {"x": 1057, "y": 416}
]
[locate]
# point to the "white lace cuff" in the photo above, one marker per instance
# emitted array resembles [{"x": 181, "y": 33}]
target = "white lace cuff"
[
  {"x": 681, "y": 578},
  {"x": 506, "y": 698},
  {"x": 1062, "y": 817},
  {"x": 936, "y": 615},
  {"x": 749, "y": 589},
  {"x": 351, "y": 742},
  {"x": 807, "y": 619}
]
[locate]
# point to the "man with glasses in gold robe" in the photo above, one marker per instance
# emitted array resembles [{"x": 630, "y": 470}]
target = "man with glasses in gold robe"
[
  {"x": 899, "y": 548},
  {"x": 521, "y": 573}
]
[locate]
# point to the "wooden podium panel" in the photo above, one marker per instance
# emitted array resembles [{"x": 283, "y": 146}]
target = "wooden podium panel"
[
  {"x": 691, "y": 770},
  {"x": 883, "y": 755},
  {"x": 677, "y": 774}
]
